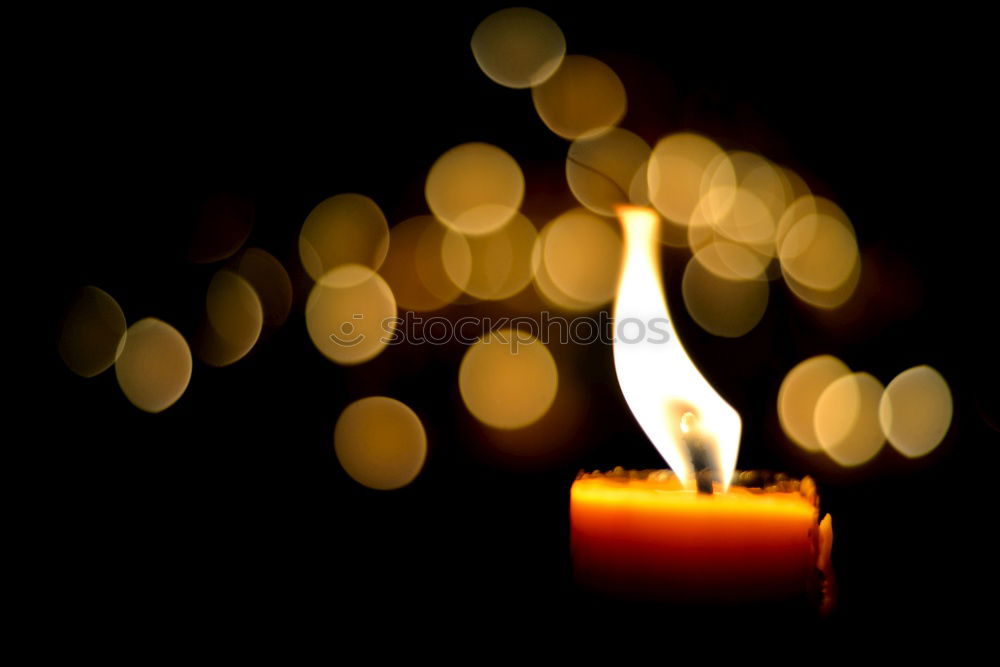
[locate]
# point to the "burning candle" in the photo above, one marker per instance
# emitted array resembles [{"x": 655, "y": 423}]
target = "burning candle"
[
  {"x": 691, "y": 535},
  {"x": 642, "y": 534}
]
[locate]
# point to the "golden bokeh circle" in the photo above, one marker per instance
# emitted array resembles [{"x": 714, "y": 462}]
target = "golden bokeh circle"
[
  {"x": 414, "y": 267},
  {"x": 683, "y": 169},
  {"x": 518, "y": 47},
  {"x": 819, "y": 252},
  {"x": 825, "y": 299},
  {"x": 380, "y": 442},
  {"x": 799, "y": 392},
  {"x": 581, "y": 254},
  {"x": 729, "y": 260},
  {"x": 745, "y": 198},
  {"x": 475, "y": 188},
  {"x": 847, "y": 419},
  {"x": 491, "y": 266},
  {"x": 546, "y": 288},
  {"x": 722, "y": 306},
  {"x": 749, "y": 220},
  {"x": 269, "y": 280},
  {"x": 154, "y": 367},
  {"x": 508, "y": 379},
  {"x": 602, "y": 171},
  {"x": 233, "y": 320},
  {"x": 92, "y": 333},
  {"x": 583, "y": 97},
  {"x": 344, "y": 229},
  {"x": 916, "y": 411},
  {"x": 351, "y": 314}
]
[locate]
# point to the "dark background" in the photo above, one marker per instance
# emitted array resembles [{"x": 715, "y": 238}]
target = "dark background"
[{"x": 231, "y": 506}]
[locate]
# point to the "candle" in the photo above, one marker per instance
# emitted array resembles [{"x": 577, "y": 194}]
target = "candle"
[
  {"x": 689, "y": 535},
  {"x": 643, "y": 535}
]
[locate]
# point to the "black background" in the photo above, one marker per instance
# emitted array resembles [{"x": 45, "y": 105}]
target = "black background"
[{"x": 230, "y": 507}]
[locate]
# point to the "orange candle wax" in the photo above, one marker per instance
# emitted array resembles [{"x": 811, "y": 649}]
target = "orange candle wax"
[{"x": 642, "y": 535}]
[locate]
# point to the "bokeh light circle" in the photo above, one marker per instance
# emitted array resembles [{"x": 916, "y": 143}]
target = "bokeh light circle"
[
  {"x": 749, "y": 220},
  {"x": 269, "y": 280},
  {"x": 414, "y": 268},
  {"x": 581, "y": 254},
  {"x": 916, "y": 411},
  {"x": 723, "y": 306},
  {"x": 233, "y": 320},
  {"x": 154, "y": 368},
  {"x": 508, "y": 379},
  {"x": 684, "y": 168},
  {"x": 350, "y": 314},
  {"x": 344, "y": 229},
  {"x": 583, "y": 97},
  {"x": 491, "y": 266},
  {"x": 474, "y": 188},
  {"x": 602, "y": 170},
  {"x": 380, "y": 442},
  {"x": 819, "y": 252},
  {"x": 825, "y": 299},
  {"x": 729, "y": 260},
  {"x": 518, "y": 47},
  {"x": 847, "y": 419},
  {"x": 799, "y": 392},
  {"x": 92, "y": 333}
]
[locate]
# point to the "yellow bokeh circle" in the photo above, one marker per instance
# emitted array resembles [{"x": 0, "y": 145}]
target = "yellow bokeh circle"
[{"x": 508, "y": 379}]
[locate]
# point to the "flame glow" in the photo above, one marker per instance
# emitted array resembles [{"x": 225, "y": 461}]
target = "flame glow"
[{"x": 686, "y": 419}]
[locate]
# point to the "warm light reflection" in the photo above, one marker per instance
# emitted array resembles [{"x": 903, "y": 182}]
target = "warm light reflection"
[
  {"x": 658, "y": 379},
  {"x": 601, "y": 170},
  {"x": 350, "y": 314},
  {"x": 475, "y": 188},
  {"x": 583, "y": 97},
  {"x": 154, "y": 367},
  {"x": 508, "y": 379},
  {"x": 92, "y": 333},
  {"x": 799, "y": 392},
  {"x": 380, "y": 442},
  {"x": 916, "y": 410},
  {"x": 518, "y": 47},
  {"x": 343, "y": 229},
  {"x": 847, "y": 419}
]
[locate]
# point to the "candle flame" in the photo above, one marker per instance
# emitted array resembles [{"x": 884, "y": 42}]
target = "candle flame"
[{"x": 688, "y": 422}]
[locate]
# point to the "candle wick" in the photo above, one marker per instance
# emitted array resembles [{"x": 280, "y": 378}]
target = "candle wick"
[
  {"x": 705, "y": 482},
  {"x": 698, "y": 451},
  {"x": 701, "y": 463}
]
